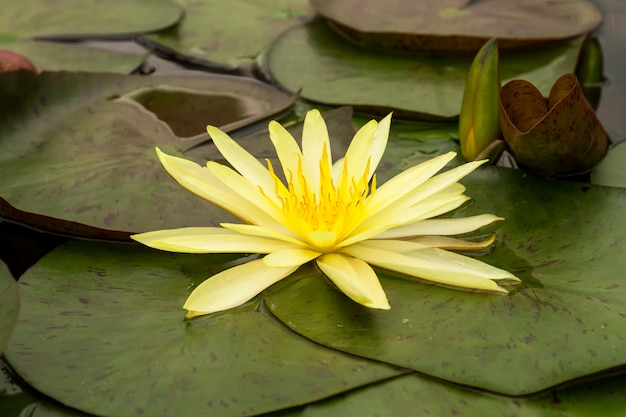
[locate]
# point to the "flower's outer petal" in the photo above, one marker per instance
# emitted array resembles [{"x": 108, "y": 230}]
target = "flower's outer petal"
[
  {"x": 442, "y": 183},
  {"x": 247, "y": 165},
  {"x": 203, "y": 183},
  {"x": 354, "y": 278},
  {"x": 209, "y": 240},
  {"x": 446, "y": 227},
  {"x": 396, "y": 188},
  {"x": 288, "y": 153},
  {"x": 290, "y": 257},
  {"x": 314, "y": 140},
  {"x": 233, "y": 287},
  {"x": 253, "y": 230},
  {"x": 250, "y": 192},
  {"x": 431, "y": 264},
  {"x": 444, "y": 242},
  {"x": 388, "y": 219}
]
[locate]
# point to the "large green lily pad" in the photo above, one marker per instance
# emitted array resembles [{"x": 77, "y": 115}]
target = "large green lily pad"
[
  {"x": 78, "y": 149},
  {"x": 225, "y": 35},
  {"x": 331, "y": 70},
  {"x": 459, "y": 25},
  {"x": 27, "y": 25},
  {"x": 106, "y": 321},
  {"x": 611, "y": 171},
  {"x": 9, "y": 305},
  {"x": 564, "y": 240},
  {"x": 427, "y": 397}
]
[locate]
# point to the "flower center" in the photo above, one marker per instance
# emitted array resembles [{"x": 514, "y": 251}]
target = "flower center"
[{"x": 325, "y": 215}]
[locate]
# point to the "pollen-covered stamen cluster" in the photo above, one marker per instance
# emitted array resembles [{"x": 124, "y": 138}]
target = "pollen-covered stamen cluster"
[{"x": 333, "y": 210}]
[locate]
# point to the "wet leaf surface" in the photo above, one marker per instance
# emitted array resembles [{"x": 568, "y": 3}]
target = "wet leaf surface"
[
  {"x": 105, "y": 320},
  {"x": 26, "y": 23},
  {"x": 226, "y": 35},
  {"x": 331, "y": 70},
  {"x": 564, "y": 240},
  {"x": 459, "y": 25},
  {"x": 78, "y": 152},
  {"x": 9, "y": 305}
]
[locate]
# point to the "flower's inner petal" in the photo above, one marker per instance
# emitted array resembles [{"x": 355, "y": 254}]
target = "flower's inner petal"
[
  {"x": 354, "y": 278},
  {"x": 316, "y": 154},
  {"x": 288, "y": 153},
  {"x": 233, "y": 287},
  {"x": 322, "y": 240}
]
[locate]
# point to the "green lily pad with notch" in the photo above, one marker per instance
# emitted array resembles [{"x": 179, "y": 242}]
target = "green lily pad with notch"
[
  {"x": 459, "y": 25},
  {"x": 106, "y": 321},
  {"x": 29, "y": 26},
  {"x": 9, "y": 305},
  {"x": 564, "y": 240},
  {"x": 424, "y": 396},
  {"x": 78, "y": 148},
  {"x": 226, "y": 35},
  {"x": 331, "y": 70}
]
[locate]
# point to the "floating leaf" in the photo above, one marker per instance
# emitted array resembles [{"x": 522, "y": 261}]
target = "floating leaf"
[
  {"x": 9, "y": 305},
  {"x": 455, "y": 25},
  {"x": 564, "y": 240},
  {"x": 611, "y": 171},
  {"x": 27, "y": 25},
  {"x": 331, "y": 70},
  {"x": 428, "y": 397},
  {"x": 557, "y": 137},
  {"x": 224, "y": 35},
  {"x": 105, "y": 321},
  {"x": 78, "y": 148}
]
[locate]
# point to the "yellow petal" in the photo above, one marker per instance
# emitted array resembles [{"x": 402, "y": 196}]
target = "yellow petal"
[
  {"x": 290, "y": 257},
  {"x": 431, "y": 264},
  {"x": 208, "y": 240},
  {"x": 288, "y": 153},
  {"x": 444, "y": 242},
  {"x": 253, "y": 230},
  {"x": 368, "y": 145},
  {"x": 247, "y": 191},
  {"x": 453, "y": 226},
  {"x": 233, "y": 287},
  {"x": 397, "y": 187},
  {"x": 203, "y": 183},
  {"x": 354, "y": 278},
  {"x": 314, "y": 141},
  {"x": 247, "y": 165},
  {"x": 388, "y": 219}
]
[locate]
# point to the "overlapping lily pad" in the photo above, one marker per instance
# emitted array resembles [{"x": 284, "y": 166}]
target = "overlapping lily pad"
[
  {"x": 105, "y": 321},
  {"x": 564, "y": 240},
  {"x": 459, "y": 25},
  {"x": 78, "y": 148},
  {"x": 224, "y": 35},
  {"x": 9, "y": 305},
  {"x": 26, "y": 24},
  {"x": 427, "y": 397},
  {"x": 331, "y": 70}
]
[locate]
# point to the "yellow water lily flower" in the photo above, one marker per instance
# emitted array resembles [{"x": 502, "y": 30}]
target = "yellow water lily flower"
[{"x": 333, "y": 214}]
